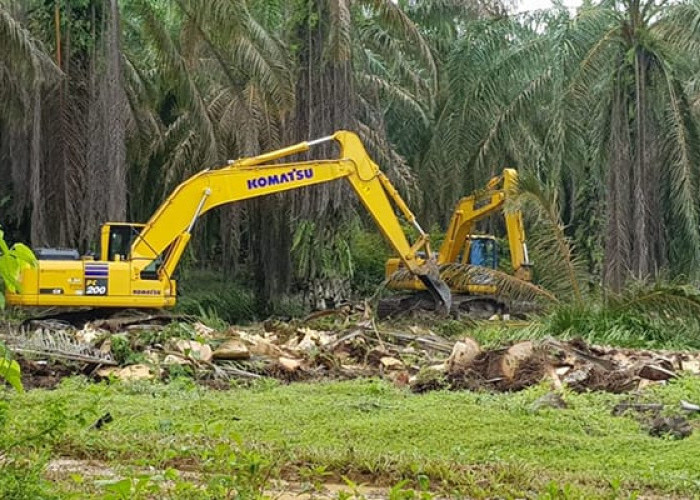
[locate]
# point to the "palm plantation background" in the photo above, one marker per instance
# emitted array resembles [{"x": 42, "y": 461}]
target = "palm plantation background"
[{"x": 105, "y": 106}]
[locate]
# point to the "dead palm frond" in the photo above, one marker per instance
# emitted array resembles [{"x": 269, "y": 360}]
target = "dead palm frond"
[
  {"x": 478, "y": 280},
  {"x": 559, "y": 270},
  {"x": 509, "y": 288},
  {"x": 669, "y": 302},
  {"x": 22, "y": 52}
]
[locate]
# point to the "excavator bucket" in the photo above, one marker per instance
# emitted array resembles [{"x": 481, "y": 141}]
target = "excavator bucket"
[{"x": 436, "y": 286}]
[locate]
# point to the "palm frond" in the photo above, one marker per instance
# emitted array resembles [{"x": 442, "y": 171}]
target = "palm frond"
[
  {"x": 20, "y": 50},
  {"x": 560, "y": 271},
  {"x": 394, "y": 17},
  {"x": 664, "y": 301}
]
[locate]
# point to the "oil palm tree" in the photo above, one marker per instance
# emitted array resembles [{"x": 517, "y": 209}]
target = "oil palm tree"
[
  {"x": 26, "y": 70},
  {"x": 76, "y": 140},
  {"x": 599, "y": 102},
  {"x": 372, "y": 67},
  {"x": 219, "y": 80}
]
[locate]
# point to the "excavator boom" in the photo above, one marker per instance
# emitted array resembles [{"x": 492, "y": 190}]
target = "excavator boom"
[
  {"x": 476, "y": 207},
  {"x": 137, "y": 261}
]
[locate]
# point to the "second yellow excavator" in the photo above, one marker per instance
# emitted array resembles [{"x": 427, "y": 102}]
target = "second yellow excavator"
[
  {"x": 465, "y": 257},
  {"x": 137, "y": 261}
]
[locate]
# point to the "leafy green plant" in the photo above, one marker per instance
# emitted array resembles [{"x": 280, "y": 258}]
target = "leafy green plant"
[
  {"x": 400, "y": 492},
  {"x": 369, "y": 253},
  {"x": 12, "y": 261},
  {"x": 141, "y": 486},
  {"x": 10, "y": 369},
  {"x": 25, "y": 449},
  {"x": 452, "y": 328},
  {"x": 212, "y": 298},
  {"x": 210, "y": 317},
  {"x": 21, "y": 479},
  {"x": 656, "y": 316},
  {"x": 173, "y": 330},
  {"x": 123, "y": 352},
  {"x": 245, "y": 472},
  {"x": 314, "y": 477}
]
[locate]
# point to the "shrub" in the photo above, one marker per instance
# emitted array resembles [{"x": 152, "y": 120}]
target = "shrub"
[
  {"x": 207, "y": 294},
  {"x": 369, "y": 254}
]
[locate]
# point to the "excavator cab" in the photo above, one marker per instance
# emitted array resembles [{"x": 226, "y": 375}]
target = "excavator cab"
[
  {"x": 483, "y": 251},
  {"x": 116, "y": 239}
]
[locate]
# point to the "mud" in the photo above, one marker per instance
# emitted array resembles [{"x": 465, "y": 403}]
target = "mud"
[{"x": 46, "y": 374}]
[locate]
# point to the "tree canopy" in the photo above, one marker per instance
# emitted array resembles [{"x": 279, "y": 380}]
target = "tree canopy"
[{"x": 106, "y": 105}]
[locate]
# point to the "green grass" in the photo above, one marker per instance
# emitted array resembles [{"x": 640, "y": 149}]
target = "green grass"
[
  {"x": 477, "y": 444},
  {"x": 592, "y": 325},
  {"x": 205, "y": 293}
]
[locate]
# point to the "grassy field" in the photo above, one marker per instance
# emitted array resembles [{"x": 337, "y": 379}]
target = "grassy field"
[{"x": 459, "y": 443}]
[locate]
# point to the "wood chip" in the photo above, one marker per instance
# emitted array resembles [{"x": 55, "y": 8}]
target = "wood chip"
[
  {"x": 656, "y": 373},
  {"x": 232, "y": 349}
]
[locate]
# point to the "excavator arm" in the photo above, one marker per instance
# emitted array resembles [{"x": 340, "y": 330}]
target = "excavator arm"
[
  {"x": 471, "y": 209},
  {"x": 168, "y": 231}
]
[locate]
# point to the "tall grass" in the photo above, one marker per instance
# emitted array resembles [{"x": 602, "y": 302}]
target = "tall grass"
[
  {"x": 204, "y": 293},
  {"x": 627, "y": 328}
]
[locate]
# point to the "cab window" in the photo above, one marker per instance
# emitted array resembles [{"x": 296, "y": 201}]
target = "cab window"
[{"x": 120, "y": 238}]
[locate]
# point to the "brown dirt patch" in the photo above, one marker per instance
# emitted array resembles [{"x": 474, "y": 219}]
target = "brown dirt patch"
[{"x": 46, "y": 374}]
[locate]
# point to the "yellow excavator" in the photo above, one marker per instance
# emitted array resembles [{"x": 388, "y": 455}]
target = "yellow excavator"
[
  {"x": 463, "y": 254},
  {"x": 137, "y": 261}
]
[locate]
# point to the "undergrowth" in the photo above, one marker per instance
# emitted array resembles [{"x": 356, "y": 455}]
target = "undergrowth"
[
  {"x": 25, "y": 449},
  {"x": 595, "y": 326},
  {"x": 369, "y": 252},
  {"x": 190, "y": 442},
  {"x": 622, "y": 328},
  {"x": 207, "y": 294}
]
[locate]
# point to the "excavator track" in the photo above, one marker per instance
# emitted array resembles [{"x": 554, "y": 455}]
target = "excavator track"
[
  {"x": 112, "y": 319},
  {"x": 463, "y": 306}
]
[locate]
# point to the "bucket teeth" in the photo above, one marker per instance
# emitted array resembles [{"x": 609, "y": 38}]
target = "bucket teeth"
[
  {"x": 429, "y": 274},
  {"x": 440, "y": 291}
]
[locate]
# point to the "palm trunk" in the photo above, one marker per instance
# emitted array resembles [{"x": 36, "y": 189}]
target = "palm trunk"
[
  {"x": 619, "y": 194},
  {"x": 640, "y": 203},
  {"x": 325, "y": 103},
  {"x": 38, "y": 231}
]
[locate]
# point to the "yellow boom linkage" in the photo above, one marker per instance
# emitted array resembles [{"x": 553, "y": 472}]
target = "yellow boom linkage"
[{"x": 137, "y": 261}]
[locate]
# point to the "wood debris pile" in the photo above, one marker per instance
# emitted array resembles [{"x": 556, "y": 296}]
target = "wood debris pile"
[
  {"x": 575, "y": 364},
  {"x": 415, "y": 357}
]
